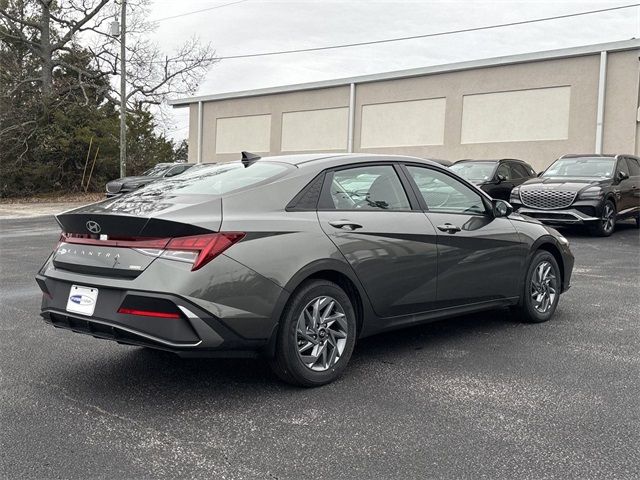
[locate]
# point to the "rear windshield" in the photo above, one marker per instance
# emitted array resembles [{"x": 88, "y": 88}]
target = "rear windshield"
[
  {"x": 474, "y": 171},
  {"x": 157, "y": 170},
  {"x": 596, "y": 167},
  {"x": 218, "y": 179}
]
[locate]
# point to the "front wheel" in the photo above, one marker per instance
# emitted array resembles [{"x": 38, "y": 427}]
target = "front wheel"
[
  {"x": 541, "y": 289},
  {"x": 607, "y": 223},
  {"x": 316, "y": 335}
]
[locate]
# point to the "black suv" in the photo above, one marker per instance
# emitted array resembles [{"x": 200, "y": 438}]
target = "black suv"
[
  {"x": 594, "y": 190},
  {"x": 161, "y": 170},
  {"x": 496, "y": 177}
]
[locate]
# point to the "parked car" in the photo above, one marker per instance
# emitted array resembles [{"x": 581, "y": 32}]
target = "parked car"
[
  {"x": 161, "y": 170},
  {"x": 496, "y": 177},
  {"x": 591, "y": 190},
  {"x": 294, "y": 258}
]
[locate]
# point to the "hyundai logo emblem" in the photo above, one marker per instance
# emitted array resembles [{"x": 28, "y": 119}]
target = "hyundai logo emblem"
[{"x": 93, "y": 227}]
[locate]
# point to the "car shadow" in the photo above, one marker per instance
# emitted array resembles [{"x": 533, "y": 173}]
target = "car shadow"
[
  {"x": 141, "y": 375},
  {"x": 577, "y": 231}
]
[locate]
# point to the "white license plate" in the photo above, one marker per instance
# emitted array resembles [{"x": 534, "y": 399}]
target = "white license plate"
[{"x": 82, "y": 300}]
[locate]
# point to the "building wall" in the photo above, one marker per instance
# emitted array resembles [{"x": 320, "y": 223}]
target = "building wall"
[
  {"x": 275, "y": 106},
  {"x": 536, "y": 111}
]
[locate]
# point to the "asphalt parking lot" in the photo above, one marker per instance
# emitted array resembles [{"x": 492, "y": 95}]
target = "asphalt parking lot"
[{"x": 475, "y": 397}]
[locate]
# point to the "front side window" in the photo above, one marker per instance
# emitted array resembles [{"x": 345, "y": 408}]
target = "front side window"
[
  {"x": 634, "y": 167},
  {"x": 375, "y": 187},
  {"x": 583, "y": 167},
  {"x": 519, "y": 171},
  {"x": 504, "y": 171},
  {"x": 623, "y": 166},
  {"x": 445, "y": 194}
]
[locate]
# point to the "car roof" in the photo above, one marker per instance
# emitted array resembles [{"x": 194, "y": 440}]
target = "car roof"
[
  {"x": 477, "y": 160},
  {"x": 329, "y": 160},
  {"x": 596, "y": 155}
]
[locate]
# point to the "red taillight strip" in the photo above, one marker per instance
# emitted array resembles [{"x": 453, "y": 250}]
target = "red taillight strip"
[
  {"x": 208, "y": 245},
  {"x": 148, "y": 313},
  {"x": 123, "y": 243}
]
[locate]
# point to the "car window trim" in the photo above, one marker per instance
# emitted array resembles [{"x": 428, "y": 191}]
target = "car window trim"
[
  {"x": 325, "y": 200},
  {"x": 486, "y": 199}
]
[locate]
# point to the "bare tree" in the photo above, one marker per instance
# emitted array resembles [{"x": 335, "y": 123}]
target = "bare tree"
[{"x": 49, "y": 30}]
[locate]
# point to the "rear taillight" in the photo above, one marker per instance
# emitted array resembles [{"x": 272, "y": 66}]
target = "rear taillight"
[
  {"x": 200, "y": 249},
  {"x": 197, "y": 250},
  {"x": 148, "y": 313}
]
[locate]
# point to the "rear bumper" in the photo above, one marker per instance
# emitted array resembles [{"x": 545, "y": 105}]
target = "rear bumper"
[
  {"x": 569, "y": 216},
  {"x": 203, "y": 328}
]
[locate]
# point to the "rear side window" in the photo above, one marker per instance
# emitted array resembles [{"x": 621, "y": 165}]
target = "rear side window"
[
  {"x": 373, "y": 187},
  {"x": 219, "y": 179}
]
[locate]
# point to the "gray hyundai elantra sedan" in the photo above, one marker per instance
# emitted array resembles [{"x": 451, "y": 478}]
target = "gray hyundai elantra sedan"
[{"x": 294, "y": 258}]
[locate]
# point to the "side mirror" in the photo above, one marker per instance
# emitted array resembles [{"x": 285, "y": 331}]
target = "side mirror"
[
  {"x": 622, "y": 176},
  {"x": 540, "y": 174},
  {"x": 500, "y": 178},
  {"x": 502, "y": 208}
]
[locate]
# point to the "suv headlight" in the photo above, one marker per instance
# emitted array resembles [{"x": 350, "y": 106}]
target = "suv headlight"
[
  {"x": 515, "y": 195},
  {"x": 591, "y": 193}
]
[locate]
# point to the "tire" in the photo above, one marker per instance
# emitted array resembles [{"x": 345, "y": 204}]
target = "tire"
[
  {"x": 529, "y": 309},
  {"x": 607, "y": 224},
  {"x": 299, "y": 334}
]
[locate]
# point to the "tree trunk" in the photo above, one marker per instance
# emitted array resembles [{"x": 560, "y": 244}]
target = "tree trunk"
[{"x": 45, "y": 50}]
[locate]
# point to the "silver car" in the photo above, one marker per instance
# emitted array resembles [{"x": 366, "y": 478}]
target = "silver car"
[{"x": 294, "y": 258}]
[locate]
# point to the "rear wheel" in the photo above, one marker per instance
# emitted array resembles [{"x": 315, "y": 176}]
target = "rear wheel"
[
  {"x": 316, "y": 335},
  {"x": 607, "y": 223},
  {"x": 541, "y": 289}
]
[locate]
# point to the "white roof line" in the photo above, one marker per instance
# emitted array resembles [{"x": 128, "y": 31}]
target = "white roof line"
[{"x": 416, "y": 72}]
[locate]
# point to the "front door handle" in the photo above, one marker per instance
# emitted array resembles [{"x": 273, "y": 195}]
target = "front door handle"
[
  {"x": 449, "y": 228},
  {"x": 345, "y": 224}
]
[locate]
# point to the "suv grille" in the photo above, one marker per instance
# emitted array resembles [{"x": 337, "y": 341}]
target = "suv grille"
[{"x": 547, "y": 199}]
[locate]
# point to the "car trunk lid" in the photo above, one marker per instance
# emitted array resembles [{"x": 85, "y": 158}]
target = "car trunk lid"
[{"x": 122, "y": 237}]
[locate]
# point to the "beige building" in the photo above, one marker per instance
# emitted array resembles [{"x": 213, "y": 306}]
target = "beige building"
[{"x": 534, "y": 106}]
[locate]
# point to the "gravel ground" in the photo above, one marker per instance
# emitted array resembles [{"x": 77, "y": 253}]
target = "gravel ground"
[{"x": 480, "y": 396}]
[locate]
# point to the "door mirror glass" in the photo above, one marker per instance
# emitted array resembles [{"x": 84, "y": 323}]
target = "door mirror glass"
[{"x": 502, "y": 208}]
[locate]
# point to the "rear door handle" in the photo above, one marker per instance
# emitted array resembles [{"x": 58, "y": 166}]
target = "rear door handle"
[
  {"x": 449, "y": 228},
  {"x": 345, "y": 224}
]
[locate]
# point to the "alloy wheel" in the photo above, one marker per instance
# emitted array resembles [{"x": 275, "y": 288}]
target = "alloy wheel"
[
  {"x": 321, "y": 333},
  {"x": 543, "y": 287},
  {"x": 608, "y": 218}
]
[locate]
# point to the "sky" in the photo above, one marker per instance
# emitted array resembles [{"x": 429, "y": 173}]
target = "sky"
[{"x": 254, "y": 26}]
